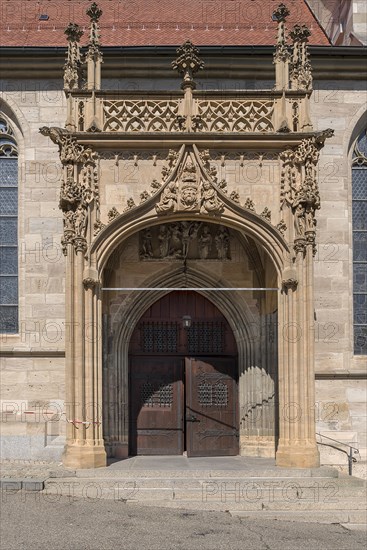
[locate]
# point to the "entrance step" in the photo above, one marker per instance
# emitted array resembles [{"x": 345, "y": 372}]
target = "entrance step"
[
  {"x": 207, "y": 473},
  {"x": 321, "y": 499}
]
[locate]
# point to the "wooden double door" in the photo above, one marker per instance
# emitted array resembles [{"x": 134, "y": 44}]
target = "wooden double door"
[{"x": 180, "y": 401}]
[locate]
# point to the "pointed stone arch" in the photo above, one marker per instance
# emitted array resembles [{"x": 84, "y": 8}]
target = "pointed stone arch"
[{"x": 116, "y": 395}]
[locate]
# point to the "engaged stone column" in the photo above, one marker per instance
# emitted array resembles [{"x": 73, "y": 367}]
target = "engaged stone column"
[
  {"x": 297, "y": 446},
  {"x": 84, "y": 445}
]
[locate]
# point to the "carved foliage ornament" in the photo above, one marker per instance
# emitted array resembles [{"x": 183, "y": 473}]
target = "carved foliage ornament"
[
  {"x": 79, "y": 186},
  {"x": 299, "y": 187}
]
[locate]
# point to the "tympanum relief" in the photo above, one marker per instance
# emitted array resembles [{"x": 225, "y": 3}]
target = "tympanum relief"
[{"x": 190, "y": 240}]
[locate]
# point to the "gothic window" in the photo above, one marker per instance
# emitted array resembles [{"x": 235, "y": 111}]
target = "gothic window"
[
  {"x": 359, "y": 221},
  {"x": 8, "y": 230}
]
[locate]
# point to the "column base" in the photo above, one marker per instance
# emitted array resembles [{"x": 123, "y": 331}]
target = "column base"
[
  {"x": 297, "y": 455},
  {"x": 258, "y": 446},
  {"x": 84, "y": 456}
]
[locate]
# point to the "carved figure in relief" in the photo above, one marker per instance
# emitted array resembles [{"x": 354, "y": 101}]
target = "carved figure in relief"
[
  {"x": 146, "y": 247},
  {"x": 80, "y": 217},
  {"x": 205, "y": 243},
  {"x": 310, "y": 220},
  {"x": 222, "y": 243},
  {"x": 69, "y": 220},
  {"x": 189, "y": 231},
  {"x": 209, "y": 200},
  {"x": 168, "y": 199},
  {"x": 164, "y": 237},
  {"x": 176, "y": 248},
  {"x": 189, "y": 199},
  {"x": 299, "y": 220}
]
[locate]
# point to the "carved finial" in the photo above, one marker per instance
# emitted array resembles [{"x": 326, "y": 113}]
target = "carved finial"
[
  {"x": 300, "y": 67},
  {"x": 281, "y": 12},
  {"x": 73, "y": 32},
  {"x": 187, "y": 63},
  {"x": 72, "y": 67},
  {"x": 94, "y": 57},
  {"x": 300, "y": 33},
  {"x": 94, "y": 12},
  {"x": 281, "y": 55}
]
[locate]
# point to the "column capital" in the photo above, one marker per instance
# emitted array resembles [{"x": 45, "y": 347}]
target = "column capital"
[{"x": 289, "y": 284}]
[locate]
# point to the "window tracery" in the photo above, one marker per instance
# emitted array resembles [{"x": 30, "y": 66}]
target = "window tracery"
[
  {"x": 359, "y": 225},
  {"x": 8, "y": 229}
]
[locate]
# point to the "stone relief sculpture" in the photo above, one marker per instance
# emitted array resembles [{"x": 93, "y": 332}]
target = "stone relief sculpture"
[
  {"x": 221, "y": 240},
  {"x": 183, "y": 240},
  {"x": 168, "y": 201},
  {"x": 146, "y": 249},
  {"x": 205, "y": 242},
  {"x": 189, "y": 231},
  {"x": 80, "y": 220},
  {"x": 188, "y": 188},
  {"x": 164, "y": 237},
  {"x": 209, "y": 202}
]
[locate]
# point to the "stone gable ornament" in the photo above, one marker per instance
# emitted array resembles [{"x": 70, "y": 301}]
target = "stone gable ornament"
[
  {"x": 188, "y": 188},
  {"x": 187, "y": 63}
]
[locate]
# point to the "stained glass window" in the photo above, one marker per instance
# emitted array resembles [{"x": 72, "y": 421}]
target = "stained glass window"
[
  {"x": 359, "y": 220},
  {"x": 8, "y": 230}
]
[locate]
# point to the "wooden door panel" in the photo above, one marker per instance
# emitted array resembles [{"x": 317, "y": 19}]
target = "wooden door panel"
[
  {"x": 156, "y": 415},
  {"x": 211, "y": 407}
]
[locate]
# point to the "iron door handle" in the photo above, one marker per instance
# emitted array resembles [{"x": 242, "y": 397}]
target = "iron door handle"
[{"x": 191, "y": 418}]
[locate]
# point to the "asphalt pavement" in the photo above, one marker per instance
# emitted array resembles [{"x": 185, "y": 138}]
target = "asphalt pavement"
[{"x": 35, "y": 521}]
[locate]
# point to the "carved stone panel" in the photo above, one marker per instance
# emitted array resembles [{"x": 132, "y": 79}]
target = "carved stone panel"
[{"x": 185, "y": 240}]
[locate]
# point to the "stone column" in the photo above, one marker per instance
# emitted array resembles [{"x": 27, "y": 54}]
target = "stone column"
[
  {"x": 84, "y": 445},
  {"x": 297, "y": 447}
]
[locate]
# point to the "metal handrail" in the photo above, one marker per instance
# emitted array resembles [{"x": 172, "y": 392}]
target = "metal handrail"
[{"x": 349, "y": 453}]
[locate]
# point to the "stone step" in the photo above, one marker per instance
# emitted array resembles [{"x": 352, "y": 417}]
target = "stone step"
[
  {"x": 246, "y": 473},
  {"x": 288, "y": 488},
  {"x": 252, "y": 499}
]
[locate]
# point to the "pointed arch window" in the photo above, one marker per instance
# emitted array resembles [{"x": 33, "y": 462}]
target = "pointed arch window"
[
  {"x": 359, "y": 222},
  {"x": 8, "y": 230}
]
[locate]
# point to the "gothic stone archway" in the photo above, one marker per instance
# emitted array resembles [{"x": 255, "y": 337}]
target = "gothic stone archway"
[
  {"x": 169, "y": 137},
  {"x": 123, "y": 310}
]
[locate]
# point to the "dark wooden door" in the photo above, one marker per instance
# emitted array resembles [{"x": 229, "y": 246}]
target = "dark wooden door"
[
  {"x": 156, "y": 396},
  {"x": 211, "y": 407},
  {"x": 165, "y": 388}
]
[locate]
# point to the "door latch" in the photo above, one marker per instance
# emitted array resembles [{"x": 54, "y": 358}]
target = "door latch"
[{"x": 191, "y": 418}]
